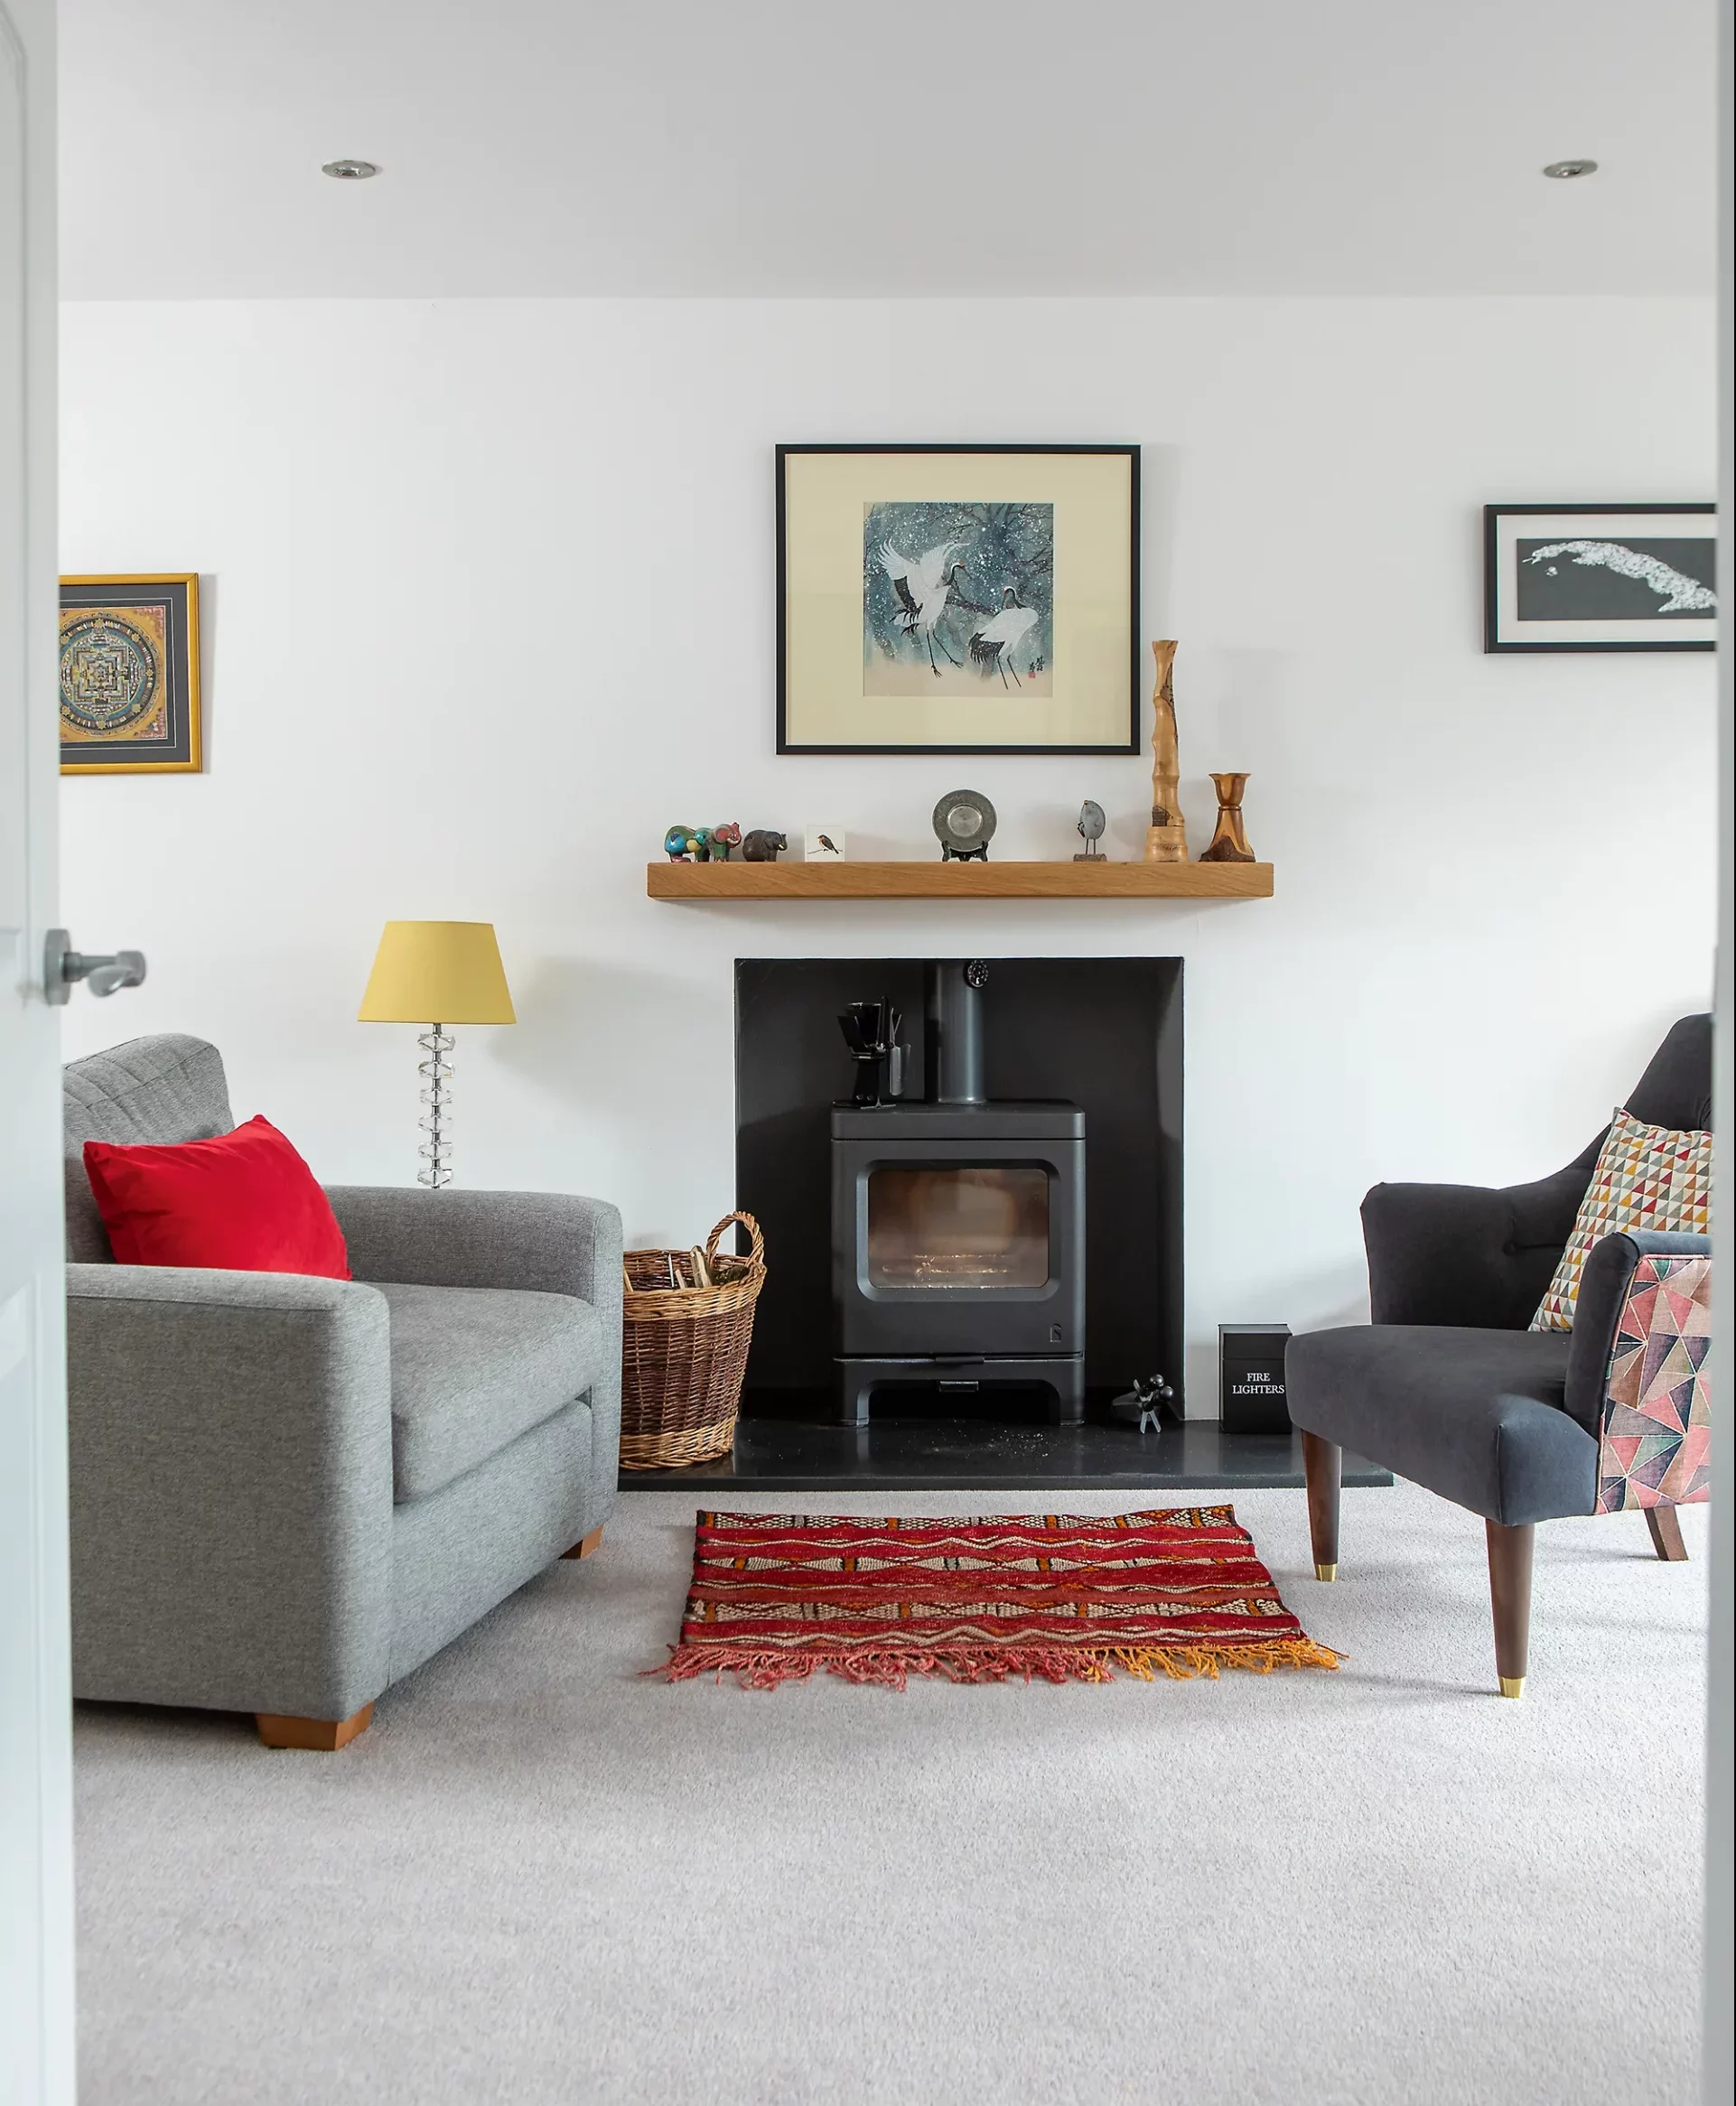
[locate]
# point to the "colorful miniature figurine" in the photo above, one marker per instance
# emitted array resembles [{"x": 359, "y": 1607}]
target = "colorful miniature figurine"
[
  {"x": 724, "y": 838},
  {"x": 679, "y": 844},
  {"x": 762, "y": 845},
  {"x": 702, "y": 843}
]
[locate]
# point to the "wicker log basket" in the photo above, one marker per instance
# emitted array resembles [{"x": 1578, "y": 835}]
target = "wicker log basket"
[{"x": 685, "y": 1350}]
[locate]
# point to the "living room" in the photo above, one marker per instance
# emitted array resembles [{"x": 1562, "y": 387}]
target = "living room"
[{"x": 1196, "y": 531}]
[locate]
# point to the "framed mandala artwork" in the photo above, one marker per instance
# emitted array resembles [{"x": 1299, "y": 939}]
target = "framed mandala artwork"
[
  {"x": 958, "y": 599},
  {"x": 129, "y": 675}
]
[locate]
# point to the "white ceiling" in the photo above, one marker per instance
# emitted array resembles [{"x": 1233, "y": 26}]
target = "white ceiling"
[{"x": 924, "y": 147}]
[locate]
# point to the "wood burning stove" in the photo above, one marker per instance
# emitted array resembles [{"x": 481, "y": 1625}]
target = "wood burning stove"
[{"x": 958, "y": 1223}]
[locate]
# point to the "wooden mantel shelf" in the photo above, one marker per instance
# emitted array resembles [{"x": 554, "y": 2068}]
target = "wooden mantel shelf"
[{"x": 958, "y": 880}]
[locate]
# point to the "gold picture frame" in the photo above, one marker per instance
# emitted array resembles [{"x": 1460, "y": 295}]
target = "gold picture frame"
[{"x": 128, "y": 674}]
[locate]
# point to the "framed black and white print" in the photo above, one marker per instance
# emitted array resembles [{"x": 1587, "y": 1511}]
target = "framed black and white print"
[
  {"x": 958, "y": 599},
  {"x": 1600, "y": 577}
]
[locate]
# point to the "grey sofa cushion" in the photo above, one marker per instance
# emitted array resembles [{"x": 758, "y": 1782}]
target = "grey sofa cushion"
[
  {"x": 1475, "y": 1415},
  {"x": 159, "y": 1091},
  {"x": 474, "y": 1367}
]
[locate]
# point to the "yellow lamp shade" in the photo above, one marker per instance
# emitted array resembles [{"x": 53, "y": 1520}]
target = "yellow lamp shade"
[{"x": 437, "y": 973}]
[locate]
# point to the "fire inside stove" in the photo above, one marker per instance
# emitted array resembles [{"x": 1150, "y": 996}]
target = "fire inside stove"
[{"x": 966, "y": 1224}]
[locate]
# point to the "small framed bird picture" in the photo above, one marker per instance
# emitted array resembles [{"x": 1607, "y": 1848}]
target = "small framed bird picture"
[{"x": 958, "y": 599}]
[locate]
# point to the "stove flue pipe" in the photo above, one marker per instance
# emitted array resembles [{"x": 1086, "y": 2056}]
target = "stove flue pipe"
[{"x": 953, "y": 1030}]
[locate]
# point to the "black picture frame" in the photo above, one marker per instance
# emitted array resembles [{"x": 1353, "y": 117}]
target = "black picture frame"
[
  {"x": 1130, "y": 451},
  {"x": 1501, "y": 614}
]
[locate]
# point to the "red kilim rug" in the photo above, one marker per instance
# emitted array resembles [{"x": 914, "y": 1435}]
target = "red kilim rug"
[{"x": 1064, "y": 1597}]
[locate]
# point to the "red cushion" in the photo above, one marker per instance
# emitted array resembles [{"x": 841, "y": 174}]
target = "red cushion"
[{"x": 245, "y": 1202}]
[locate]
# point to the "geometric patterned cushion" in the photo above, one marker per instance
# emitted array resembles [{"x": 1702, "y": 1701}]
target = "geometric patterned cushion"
[
  {"x": 1656, "y": 1444},
  {"x": 1647, "y": 1177}
]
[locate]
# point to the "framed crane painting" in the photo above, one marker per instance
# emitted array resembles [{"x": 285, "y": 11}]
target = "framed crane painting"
[{"x": 958, "y": 599}]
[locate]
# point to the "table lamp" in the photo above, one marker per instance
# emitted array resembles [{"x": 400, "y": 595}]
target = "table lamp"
[{"x": 449, "y": 970}]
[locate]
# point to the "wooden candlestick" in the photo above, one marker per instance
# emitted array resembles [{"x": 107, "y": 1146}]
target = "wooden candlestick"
[
  {"x": 1166, "y": 839},
  {"x": 1230, "y": 842}
]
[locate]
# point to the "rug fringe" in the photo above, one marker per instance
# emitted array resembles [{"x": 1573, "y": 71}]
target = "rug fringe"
[{"x": 890, "y": 1668}]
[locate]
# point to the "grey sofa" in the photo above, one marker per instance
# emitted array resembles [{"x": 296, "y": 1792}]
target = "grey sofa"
[
  {"x": 287, "y": 1492},
  {"x": 1448, "y": 1386}
]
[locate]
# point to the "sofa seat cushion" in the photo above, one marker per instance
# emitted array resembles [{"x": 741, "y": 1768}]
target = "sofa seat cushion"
[
  {"x": 1474, "y": 1415},
  {"x": 474, "y": 1367}
]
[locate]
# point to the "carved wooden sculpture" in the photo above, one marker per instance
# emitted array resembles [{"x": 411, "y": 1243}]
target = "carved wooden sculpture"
[
  {"x": 1230, "y": 842},
  {"x": 1166, "y": 839}
]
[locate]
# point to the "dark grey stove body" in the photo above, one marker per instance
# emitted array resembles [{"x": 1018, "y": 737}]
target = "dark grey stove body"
[{"x": 958, "y": 1230}]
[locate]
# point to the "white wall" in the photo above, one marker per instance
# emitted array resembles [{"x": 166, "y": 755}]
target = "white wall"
[{"x": 489, "y": 604}]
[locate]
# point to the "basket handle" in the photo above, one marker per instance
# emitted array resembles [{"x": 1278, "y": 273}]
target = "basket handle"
[{"x": 756, "y": 1256}]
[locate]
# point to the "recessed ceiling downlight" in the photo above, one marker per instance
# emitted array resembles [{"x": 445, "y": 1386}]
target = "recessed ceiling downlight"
[
  {"x": 1565, "y": 171},
  {"x": 351, "y": 170}
]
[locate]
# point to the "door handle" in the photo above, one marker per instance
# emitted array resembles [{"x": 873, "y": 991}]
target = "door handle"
[{"x": 62, "y": 966}]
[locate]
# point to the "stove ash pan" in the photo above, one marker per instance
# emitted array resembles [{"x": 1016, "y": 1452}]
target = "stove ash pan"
[{"x": 959, "y": 1246}]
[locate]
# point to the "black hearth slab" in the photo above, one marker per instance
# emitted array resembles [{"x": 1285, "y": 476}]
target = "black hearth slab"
[{"x": 943, "y": 1455}]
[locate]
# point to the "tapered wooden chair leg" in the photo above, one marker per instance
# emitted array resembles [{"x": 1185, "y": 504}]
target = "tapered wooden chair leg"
[
  {"x": 1666, "y": 1525},
  {"x": 585, "y": 1545},
  {"x": 1510, "y": 1551},
  {"x": 1324, "y": 1465}
]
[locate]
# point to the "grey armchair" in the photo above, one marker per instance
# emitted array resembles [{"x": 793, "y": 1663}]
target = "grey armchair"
[
  {"x": 287, "y": 1492},
  {"x": 1450, "y": 1387}
]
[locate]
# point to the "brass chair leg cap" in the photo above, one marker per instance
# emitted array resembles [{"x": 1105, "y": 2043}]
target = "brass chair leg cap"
[
  {"x": 1512, "y": 1685},
  {"x": 1326, "y": 1571}
]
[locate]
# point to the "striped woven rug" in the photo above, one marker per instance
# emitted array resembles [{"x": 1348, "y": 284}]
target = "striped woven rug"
[{"x": 1063, "y": 1597}]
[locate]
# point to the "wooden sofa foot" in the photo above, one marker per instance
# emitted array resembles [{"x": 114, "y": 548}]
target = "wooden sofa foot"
[
  {"x": 1666, "y": 1525},
  {"x": 1323, "y": 1465},
  {"x": 1510, "y": 1553},
  {"x": 585, "y": 1545},
  {"x": 325, "y": 1736}
]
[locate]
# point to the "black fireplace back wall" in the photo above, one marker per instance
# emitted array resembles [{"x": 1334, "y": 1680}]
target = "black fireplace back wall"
[{"x": 1104, "y": 1033}]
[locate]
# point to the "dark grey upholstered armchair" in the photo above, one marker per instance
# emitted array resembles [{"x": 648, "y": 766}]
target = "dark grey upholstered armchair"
[
  {"x": 1448, "y": 1386},
  {"x": 287, "y": 1492}
]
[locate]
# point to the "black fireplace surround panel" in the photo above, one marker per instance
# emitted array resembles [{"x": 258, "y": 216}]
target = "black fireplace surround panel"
[{"x": 1007, "y": 1227}]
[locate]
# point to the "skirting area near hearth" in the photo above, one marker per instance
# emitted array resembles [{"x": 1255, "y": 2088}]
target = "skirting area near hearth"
[
  {"x": 931, "y": 1451},
  {"x": 542, "y": 1878}
]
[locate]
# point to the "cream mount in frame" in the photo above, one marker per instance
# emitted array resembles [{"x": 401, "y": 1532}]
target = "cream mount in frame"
[{"x": 958, "y": 599}]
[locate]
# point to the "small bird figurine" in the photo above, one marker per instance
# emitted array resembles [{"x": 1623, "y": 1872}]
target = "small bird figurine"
[{"x": 1091, "y": 823}]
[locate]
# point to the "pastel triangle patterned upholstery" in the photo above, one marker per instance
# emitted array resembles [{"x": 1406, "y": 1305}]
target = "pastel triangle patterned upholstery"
[
  {"x": 1647, "y": 1177},
  {"x": 1655, "y": 1449}
]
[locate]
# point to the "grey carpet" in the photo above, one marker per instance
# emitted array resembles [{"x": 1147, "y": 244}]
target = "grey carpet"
[{"x": 542, "y": 1878}]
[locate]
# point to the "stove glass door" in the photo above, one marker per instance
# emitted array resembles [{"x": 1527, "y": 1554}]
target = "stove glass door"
[{"x": 963, "y": 1224}]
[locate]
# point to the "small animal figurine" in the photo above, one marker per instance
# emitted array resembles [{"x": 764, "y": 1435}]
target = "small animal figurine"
[
  {"x": 762, "y": 845},
  {"x": 1091, "y": 823},
  {"x": 681, "y": 844},
  {"x": 702, "y": 843},
  {"x": 724, "y": 838}
]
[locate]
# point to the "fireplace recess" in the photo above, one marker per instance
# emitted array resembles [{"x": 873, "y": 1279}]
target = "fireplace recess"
[{"x": 958, "y": 1228}]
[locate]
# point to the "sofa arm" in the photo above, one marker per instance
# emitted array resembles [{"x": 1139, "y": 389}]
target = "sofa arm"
[
  {"x": 553, "y": 1241},
  {"x": 231, "y": 1453},
  {"x": 1466, "y": 1254},
  {"x": 1640, "y": 1370}
]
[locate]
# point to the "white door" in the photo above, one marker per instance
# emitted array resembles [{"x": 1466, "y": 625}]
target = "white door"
[{"x": 37, "y": 2061}]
